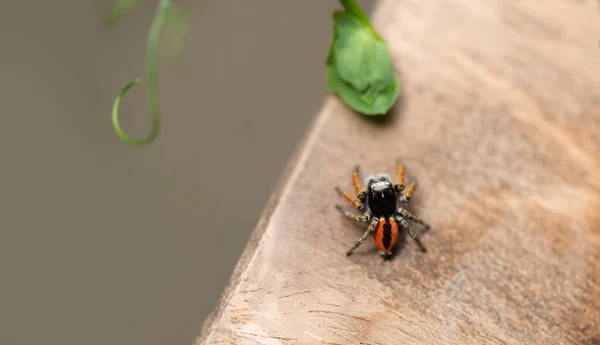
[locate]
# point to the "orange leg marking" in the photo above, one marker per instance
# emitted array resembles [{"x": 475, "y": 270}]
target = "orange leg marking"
[
  {"x": 357, "y": 204},
  {"x": 401, "y": 175},
  {"x": 365, "y": 218},
  {"x": 360, "y": 194},
  {"x": 357, "y": 187},
  {"x": 410, "y": 189},
  {"x": 409, "y": 192}
]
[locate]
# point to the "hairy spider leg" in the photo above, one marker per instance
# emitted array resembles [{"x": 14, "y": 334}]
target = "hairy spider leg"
[
  {"x": 400, "y": 186},
  {"x": 363, "y": 238},
  {"x": 412, "y": 234},
  {"x": 408, "y": 229},
  {"x": 408, "y": 194},
  {"x": 404, "y": 213},
  {"x": 358, "y": 205},
  {"x": 360, "y": 193},
  {"x": 363, "y": 218}
]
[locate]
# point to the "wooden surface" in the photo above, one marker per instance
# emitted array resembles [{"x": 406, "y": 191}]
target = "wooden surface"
[{"x": 500, "y": 124}]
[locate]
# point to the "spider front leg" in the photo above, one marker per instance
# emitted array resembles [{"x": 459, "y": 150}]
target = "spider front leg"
[
  {"x": 360, "y": 194},
  {"x": 363, "y": 238},
  {"x": 363, "y": 219},
  {"x": 357, "y": 204},
  {"x": 408, "y": 194},
  {"x": 404, "y": 213},
  {"x": 400, "y": 185}
]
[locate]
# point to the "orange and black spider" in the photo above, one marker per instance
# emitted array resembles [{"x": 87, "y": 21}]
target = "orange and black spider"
[{"x": 379, "y": 203}]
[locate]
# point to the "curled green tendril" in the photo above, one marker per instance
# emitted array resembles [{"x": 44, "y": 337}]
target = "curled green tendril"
[{"x": 152, "y": 49}]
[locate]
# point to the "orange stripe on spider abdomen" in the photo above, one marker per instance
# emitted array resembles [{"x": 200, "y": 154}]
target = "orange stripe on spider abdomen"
[{"x": 386, "y": 234}]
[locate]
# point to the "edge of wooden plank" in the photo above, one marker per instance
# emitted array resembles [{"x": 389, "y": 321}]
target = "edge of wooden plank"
[{"x": 288, "y": 176}]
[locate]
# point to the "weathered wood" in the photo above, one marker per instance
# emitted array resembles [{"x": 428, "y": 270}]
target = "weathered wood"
[{"x": 500, "y": 124}]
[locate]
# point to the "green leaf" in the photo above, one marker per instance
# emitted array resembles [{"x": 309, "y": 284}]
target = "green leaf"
[
  {"x": 367, "y": 103},
  {"x": 330, "y": 57},
  {"x": 353, "y": 9},
  {"x": 361, "y": 58},
  {"x": 359, "y": 65}
]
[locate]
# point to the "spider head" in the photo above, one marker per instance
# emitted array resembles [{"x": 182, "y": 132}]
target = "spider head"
[
  {"x": 381, "y": 195},
  {"x": 378, "y": 183}
]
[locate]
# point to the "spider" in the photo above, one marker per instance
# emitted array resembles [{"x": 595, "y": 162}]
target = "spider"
[{"x": 379, "y": 202}]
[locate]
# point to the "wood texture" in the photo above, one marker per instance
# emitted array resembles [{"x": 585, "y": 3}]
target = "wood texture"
[{"x": 500, "y": 124}]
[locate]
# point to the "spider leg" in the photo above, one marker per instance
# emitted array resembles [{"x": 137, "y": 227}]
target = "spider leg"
[
  {"x": 400, "y": 185},
  {"x": 404, "y": 213},
  {"x": 412, "y": 234},
  {"x": 360, "y": 193},
  {"x": 363, "y": 238},
  {"x": 358, "y": 205},
  {"x": 365, "y": 218},
  {"x": 408, "y": 194}
]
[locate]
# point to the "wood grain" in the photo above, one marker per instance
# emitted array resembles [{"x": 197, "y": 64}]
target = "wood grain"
[{"x": 499, "y": 122}]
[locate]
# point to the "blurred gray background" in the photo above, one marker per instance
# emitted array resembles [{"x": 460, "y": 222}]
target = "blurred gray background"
[{"x": 101, "y": 243}]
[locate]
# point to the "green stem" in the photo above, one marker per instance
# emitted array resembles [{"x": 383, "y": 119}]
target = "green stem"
[
  {"x": 122, "y": 7},
  {"x": 352, "y": 7},
  {"x": 152, "y": 49}
]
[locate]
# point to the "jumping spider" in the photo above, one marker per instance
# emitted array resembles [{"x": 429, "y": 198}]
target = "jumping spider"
[{"x": 379, "y": 202}]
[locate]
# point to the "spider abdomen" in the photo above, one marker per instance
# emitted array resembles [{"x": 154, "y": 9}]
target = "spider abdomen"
[{"x": 386, "y": 234}]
